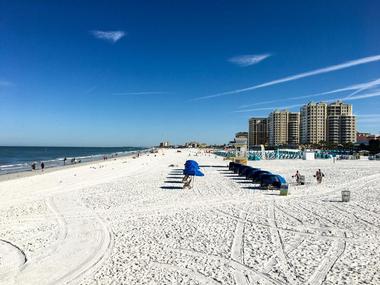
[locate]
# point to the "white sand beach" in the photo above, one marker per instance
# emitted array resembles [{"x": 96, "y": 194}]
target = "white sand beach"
[{"x": 128, "y": 221}]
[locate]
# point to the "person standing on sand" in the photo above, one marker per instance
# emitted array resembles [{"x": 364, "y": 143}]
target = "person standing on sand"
[
  {"x": 42, "y": 166},
  {"x": 33, "y": 166},
  {"x": 319, "y": 175},
  {"x": 64, "y": 161},
  {"x": 297, "y": 176}
]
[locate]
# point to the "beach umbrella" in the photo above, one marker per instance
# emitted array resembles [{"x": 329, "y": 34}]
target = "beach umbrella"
[
  {"x": 191, "y": 163},
  {"x": 192, "y": 170}
]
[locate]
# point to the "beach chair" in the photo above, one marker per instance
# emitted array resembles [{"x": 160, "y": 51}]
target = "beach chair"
[
  {"x": 302, "y": 180},
  {"x": 187, "y": 183}
]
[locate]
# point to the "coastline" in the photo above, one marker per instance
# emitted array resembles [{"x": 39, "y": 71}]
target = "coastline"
[{"x": 28, "y": 173}]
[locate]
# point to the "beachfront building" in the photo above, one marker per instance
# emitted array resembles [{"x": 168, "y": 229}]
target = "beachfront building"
[
  {"x": 283, "y": 128},
  {"x": 333, "y": 123},
  {"x": 240, "y": 144},
  {"x": 364, "y": 138},
  {"x": 241, "y": 135},
  {"x": 165, "y": 144},
  {"x": 257, "y": 132},
  {"x": 313, "y": 123},
  {"x": 293, "y": 128},
  {"x": 341, "y": 124},
  {"x": 278, "y": 127}
]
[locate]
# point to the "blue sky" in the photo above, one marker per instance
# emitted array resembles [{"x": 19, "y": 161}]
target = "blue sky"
[{"x": 116, "y": 73}]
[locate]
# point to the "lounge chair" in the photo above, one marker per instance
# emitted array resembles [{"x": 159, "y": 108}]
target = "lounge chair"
[{"x": 187, "y": 183}]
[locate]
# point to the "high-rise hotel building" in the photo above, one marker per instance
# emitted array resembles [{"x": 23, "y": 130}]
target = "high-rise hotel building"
[
  {"x": 341, "y": 124},
  {"x": 333, "y": 123},
  {"x": 257, "y": 132},
  {"x": 313, "y": 123},
  {"x": 293, "y": 128},
  {"x": 283, "y": 128}
]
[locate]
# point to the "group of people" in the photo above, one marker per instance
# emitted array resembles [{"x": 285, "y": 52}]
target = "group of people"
[
  {"x": 42, "y": 164},
  {"x": 34, "y": 165},
  {"x": 300, "y": 178}
]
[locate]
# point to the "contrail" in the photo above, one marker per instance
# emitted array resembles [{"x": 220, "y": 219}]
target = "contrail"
[
  {"x": 328, "y": 69},
  {"x": 347, "y": 98},
  {"x": 357, "y": 87}
]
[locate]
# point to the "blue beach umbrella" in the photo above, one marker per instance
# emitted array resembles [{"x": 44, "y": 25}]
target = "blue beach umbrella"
[
  {"x": 191, "y": 163},
  {"x": 192, "y": 169}
]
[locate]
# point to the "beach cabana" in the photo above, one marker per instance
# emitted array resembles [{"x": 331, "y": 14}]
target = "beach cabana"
[
  {"x": 237, "y": 167},
  {"x": 243, "y": 170},
  {"x": 250, "y": 171},
  {"x": 256, "y": 176},
  {"x": 272, "y": 181}
]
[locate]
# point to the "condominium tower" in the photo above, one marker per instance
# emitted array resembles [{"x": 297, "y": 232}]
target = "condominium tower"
[
  {"x": 313, "y": 123},
  {"x": 283, "y": 128},
  {"x": 333, "y": 123},
  {"x": 341, "y": 124},
  {"x": 258, "y": 131},
  {"x": 293, "y": 128}
]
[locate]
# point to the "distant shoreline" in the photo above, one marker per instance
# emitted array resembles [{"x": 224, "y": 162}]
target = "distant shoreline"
[{"x": 96, "y": 159}]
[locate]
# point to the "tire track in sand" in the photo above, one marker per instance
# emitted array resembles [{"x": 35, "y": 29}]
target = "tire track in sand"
[
  {"x": 82, "y": 247},
  {"x": 279, "y": 245},
  {"x": 237, "y": 248},
  {"x": 335, "y": 251}
]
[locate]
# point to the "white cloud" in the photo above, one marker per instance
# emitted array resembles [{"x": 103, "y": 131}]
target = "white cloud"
[
  {"x": 249, "y": 59},
  {"x": 110, "y": 36},
  {"x": 328, "y": 69}
]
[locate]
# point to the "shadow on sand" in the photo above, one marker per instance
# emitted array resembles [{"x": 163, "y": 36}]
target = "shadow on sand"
[
  {"x": 243, "y": 181},
  {"x": 171, "y": 187},
  {"x": 252, "y": 187},
  {"x": 214, "y": 166},
  {"x": 238, "y": 178}
]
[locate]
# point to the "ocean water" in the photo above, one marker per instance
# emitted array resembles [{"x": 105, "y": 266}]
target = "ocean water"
[{"x": 16, "y": 159}]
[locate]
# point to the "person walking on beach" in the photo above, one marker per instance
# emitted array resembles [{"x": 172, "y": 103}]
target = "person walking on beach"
[
  {"x": 64, "y": 160},
  {"x": 42, "y": 166},
  {"x": 297, "y": 176},
  {"x": 319, "y": 175},
  {"x": 33, "y": 166}
]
